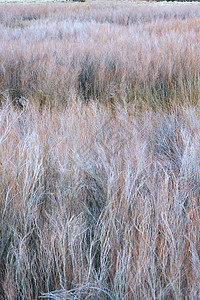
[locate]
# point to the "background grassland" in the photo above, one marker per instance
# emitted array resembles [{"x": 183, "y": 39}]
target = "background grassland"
[
  {"x": 131, "y": 53},
  {"x": 99, "y": 152}
]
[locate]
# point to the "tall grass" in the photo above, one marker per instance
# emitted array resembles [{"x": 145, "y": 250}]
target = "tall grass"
[
  {"x": 101, "y": 206},
  {"x": 99, "y": 151},
  {"x": 105, "y": 52}
]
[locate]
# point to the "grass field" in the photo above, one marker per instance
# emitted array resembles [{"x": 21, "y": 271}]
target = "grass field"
[{"x": 99, "y": 151}]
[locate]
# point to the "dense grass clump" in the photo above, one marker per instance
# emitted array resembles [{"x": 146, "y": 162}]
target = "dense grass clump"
[
  {"x": 99, "y": 205},
  {"x": 99, "y": 151}
]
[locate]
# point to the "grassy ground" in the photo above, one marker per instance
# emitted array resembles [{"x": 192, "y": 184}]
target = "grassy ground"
[
  {"x": 146, "y": 55},
  {"x": 99, "y": 151}
]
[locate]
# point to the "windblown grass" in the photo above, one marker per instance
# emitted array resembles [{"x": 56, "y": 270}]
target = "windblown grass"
[
  {"x": 99, "y": 152},
  {"x": 96, "y": 205}
]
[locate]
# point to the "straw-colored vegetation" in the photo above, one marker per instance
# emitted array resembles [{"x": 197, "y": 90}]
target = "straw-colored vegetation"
[
  {"x": 99, "y": 151},
  {"x": 135, "y": 53}
]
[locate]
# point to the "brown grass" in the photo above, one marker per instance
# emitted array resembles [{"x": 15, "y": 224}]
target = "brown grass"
[
  {"x": 98, "y": 205},
  {"x": 105, "y": 52},
  {"x": 99, "y": 192}
]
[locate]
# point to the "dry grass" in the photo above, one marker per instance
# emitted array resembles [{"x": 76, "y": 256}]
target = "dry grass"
[
  {"x": 99, "y": 192},
  {"x": 105, "y": 52},
  {"x": 100, "y": 206}
]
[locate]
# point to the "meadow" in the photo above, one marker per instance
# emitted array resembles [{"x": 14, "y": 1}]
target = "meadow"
[{"x": 99, "y": 151}]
